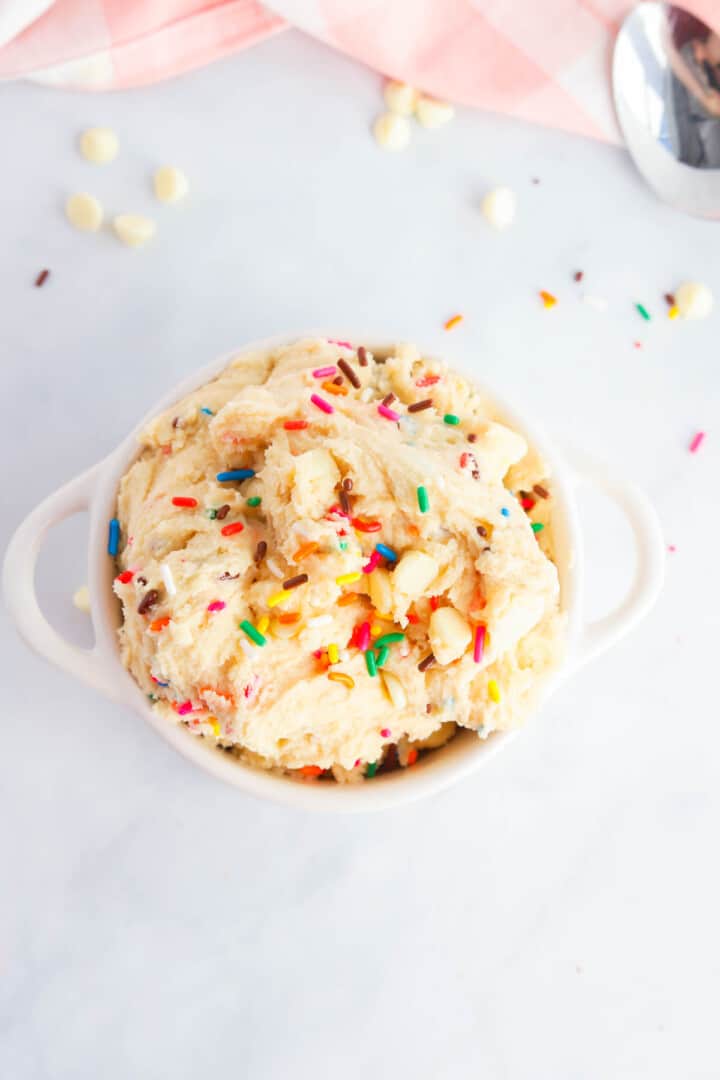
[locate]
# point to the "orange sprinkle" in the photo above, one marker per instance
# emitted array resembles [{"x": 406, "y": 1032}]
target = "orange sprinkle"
[
  {"x": 347, "y": 598},
  {"x": 287, "y": 617},
  {"x": 341, "y": 677},
  {"x": 305, "y": 550},
  {"x": 451, "y": 323},
  {"x": 413, "y": 530},
  {"x": 218, "y": 693},
  {"x": 412, "y": 757},
  {"x": 160, "y": 624},
  {"x": 412, "y": 618},
  {"x": 548, "y": 299},
  {"x": 333, "y": 388},
  {"x": 311, "y": 770}
]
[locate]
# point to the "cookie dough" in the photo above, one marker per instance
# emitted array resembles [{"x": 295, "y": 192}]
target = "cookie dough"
[{"x": 328, "y": 557}]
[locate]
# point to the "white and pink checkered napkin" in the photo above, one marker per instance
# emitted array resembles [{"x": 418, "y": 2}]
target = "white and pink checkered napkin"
[{"x": 547, "y": 61}]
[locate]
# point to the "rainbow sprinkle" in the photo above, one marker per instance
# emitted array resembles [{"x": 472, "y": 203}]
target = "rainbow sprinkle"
[
  {"x": 695, "y": 445},
  {"x": 641, "y": 310},
  {"x": 370, "y": 663},
  {"x": 505, "y": 512},
  {"x": 537, "y": 526},
  {"x": 348, "y": 579},
  {"x": 263, "y": 623},
  {"x": 388, "y": 639},
  {"x": 278, "y": 597},
  {"x": 452, "y": 419},
  {"x": 494, "y": 691},
  {"x": 324, "y": 372},
  {"x": 372, "y": 562},
  {"x": 371, "y": 769},
  {"x": 363, "y": 636},
  {"x": 333, "y": 653},
  {"x": 341, "y": 677},
  {"x": 423, "y": 501},
  {"x": 254, "y": 501},
  {"x": 453, "y": 322},
  {"x": 252, "y": 632},
  {"x": 235, "y": 474},
  {"x": 479, "y": 646},
  {"x": 113, "y": 537},
  {"x": 208, "y": 412},
  {"x": 382, "y": 656},
  {"x": 547, "y": 298},
  {"x": 216, "y": 605},
  {"x": 321, "y": 404},
  {"x": 386, "y": 552},
  {"x": 389, "y": 414}
]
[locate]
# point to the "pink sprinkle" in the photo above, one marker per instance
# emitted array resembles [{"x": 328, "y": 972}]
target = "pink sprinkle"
[
  {"x": 385, "y": 732},
  {"x": 217, "y": 605},
  {"x": 342, "y": 344},
  {"x": 371, "y": 563},
  {"x": 479, "y": 644},
  {"x": 324, "y": 372},
  {"x": 251, "y": 688},
  {"x": 672, "y": 548},
  {"x": 697, "y": 442},
  {"x": 185, "y": 708},
  {"x": 389, "y": 414},
  {"x": 321, "y": 403},
  {"x": 357, "y": 762},
  {"x": 363, "y": 638}
]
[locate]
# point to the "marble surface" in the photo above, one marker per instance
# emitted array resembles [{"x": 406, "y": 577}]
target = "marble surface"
[{"x": 554, "y": 917}]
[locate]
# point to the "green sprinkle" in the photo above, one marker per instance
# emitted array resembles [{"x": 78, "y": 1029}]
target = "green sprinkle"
[
  {"x": 383, "y": 653},
  {"x": 152, "y": 697},
  {"x": 370, "y": 662},
  {"x": 388, "y": 639},
  {"x": 451, "y": 418},
  {"x": 254, "y": 501},
  {"x": 343, "y": 545},
  {"x": 537, "y": 526},
  {"x": 371, "y": 769},
  {"x": 423, "y": 501},
  {"x": 212, "y": 514},
  {"x": 252, "y": 633},
  {"x": 643, "y": 311}
]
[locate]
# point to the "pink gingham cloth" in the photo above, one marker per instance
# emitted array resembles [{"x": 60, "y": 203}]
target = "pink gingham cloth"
[{"x": 547, "y": 61}]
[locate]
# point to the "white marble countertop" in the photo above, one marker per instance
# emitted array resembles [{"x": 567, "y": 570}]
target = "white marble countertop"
[{"x": 554, "y": 917}]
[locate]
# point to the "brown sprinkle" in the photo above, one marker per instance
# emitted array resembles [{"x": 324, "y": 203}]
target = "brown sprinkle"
[
  {"x": 427, "y": 662},
  {"x": 260, "y": 551},
  {"x": 228, "y": 577},
  {"x": 481, "y": 530},
  {"x": 348, "y": 484},
  {"x": 148, "y": 601},
  {"x": 418, "y": 406},
  {"x": 142, "y": 581},
  {"x": 362, "y": 356},
  {"x": 472, "y": 437},
  {"x": 345, "y": 501},
  {"x": 223, "y": 512},
  {"x": 388, "y": 400},
  {"x": 669, "y": 299},
  {"x": 293, "y": 582},
  {"x": 348, "y": 371},
  {"x": 338, "y": 380},
  {"x": 41, "y": 278},
  {"x": 176, "y": 421},
  {"x": 541, "y": 491},
  {"x": 578, "y": 275}
]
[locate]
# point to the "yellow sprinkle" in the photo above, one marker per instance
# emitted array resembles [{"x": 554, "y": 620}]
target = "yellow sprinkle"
[
  {"x": 278, "y": 597},
  {"x": 333, "y": 653},
  {"x": 673, "y": 312},
  {"x": 215, "y": 725},
  {"x": 348, "y": 579},
  {"x": 341, "y": 677},
  {"x": 263, "y": 623},
  {"x": 376, "y": 629},
  {"x": 385, "y": 618},
  {"x": 494, "y": 691}
]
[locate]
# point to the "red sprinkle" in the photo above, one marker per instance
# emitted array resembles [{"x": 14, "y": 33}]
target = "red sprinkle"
[
  {"x": 385, "y": 732},
  {"x": 311, "y": 770},
  {"x": 232, "y": 528},
  {"x": 217, "y": 605},
  {"x": 41, "y": 278},
  {"x": 125, "y": 577},
  {"x": 434, "y": 603},
  {"x": 181, "y": 500},
  {"x": 578, "y": 275},
  {"x": 527, "y": 504},
  {"x": 362, "y": 525},
  {"x": 295, "y": 425},
  {"x": 697, "y": 442},
  {"x": 464, "y": 460},
  {"x": 185, "y": 708},
  {"x": 428, "y": 380},
  {"x": 479, "y": 647},
  {"x": 412, "y": 756},
  {"x": 412, "y": 618}
]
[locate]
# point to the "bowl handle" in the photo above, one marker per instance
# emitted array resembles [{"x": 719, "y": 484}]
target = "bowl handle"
[
  {"x": 597, "y": 636},
  {"x": 19, "y": 585}
]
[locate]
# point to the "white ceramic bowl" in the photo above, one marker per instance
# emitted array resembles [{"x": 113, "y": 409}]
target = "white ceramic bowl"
[{"x": 101, "y": 667}]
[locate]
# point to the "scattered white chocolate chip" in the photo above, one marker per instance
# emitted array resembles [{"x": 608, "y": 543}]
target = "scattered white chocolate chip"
[
  {"x": 498, "y": 206},
  {"x": 449, "y": 634},
  {"x": 432, "y": 113},
  {"x": 391, "y": 131},
  {"x": 99, "y": 145},
  {"x": 400, "y": 98},
  {"x": 381, "y": 590},
  {"x": 694, "y": 300},
  {"x": 84, "y": 212},
  {"x": 170, "y": 184},
  {"x": 414, "y": 572},
  {"x": 81, "y": 599},
  {"x": 394, "y": 689},
  {"x": 134, "y": 229}
]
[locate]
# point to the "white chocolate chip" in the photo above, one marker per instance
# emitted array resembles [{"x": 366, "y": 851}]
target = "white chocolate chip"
[
  {"x": 316, "y": 476},
  {"x": 694, "y": 300},
  {"x": 400, "y": 98},
  {"x": 170, "y": 184},
  {"x": 449, "y": 634},
  {"x": 432, "y": 113},
  {"x": 391, "y": 131},
  {"x": 381, "y": 590},
  {"x": 414, "y": 572},
  {"x": 134, "y": 229},
  {"x": 498, "y": 206},
  {"x": 99, "y": 145},
  {"x": 81, "y": 599},
  {"x": 394, "y": 689},
  {"x": 84, "y": 212}
]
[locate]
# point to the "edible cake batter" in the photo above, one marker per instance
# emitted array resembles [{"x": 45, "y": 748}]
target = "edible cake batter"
[{"x": 329, "y": 561}]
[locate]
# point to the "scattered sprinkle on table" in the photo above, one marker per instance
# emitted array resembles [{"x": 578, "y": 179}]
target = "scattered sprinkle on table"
[
  {"x": 321, "y": 404},
  {"x": 696, "y": 442},
  {"x": 253, "y": 633},
  {"x": 41, "y": 278},
  {"x": 641, "y": 310},
  {"x": 673, "y": 312},
  {"x": 578, "y": 275},
  {"x": 453, "y": 322},
  {"x": 423, "y": 500},
  {"x": 235, "y": 474},
  {"x": 547, "y": 298},
  {"x": 452, "y": 419},
  {"x": 669, "y": 299},
  {"x": 113, "y": 537}
]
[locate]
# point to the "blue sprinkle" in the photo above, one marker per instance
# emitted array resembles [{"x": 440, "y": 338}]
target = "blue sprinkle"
[
  {"x": 113, "y": 537},
  {"x": 505, "y": 512},
  {"x": 388, "y": 553},
  {"x": 208, "y": 412},
  {"x": 161, "y": 683},
  {"x": 235, "y": 474}
]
